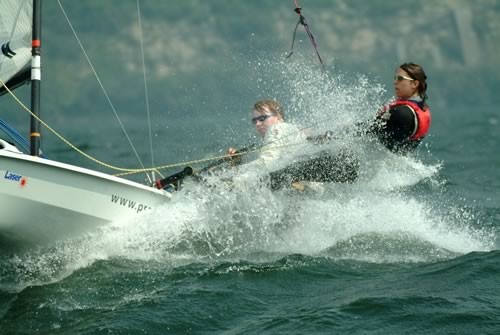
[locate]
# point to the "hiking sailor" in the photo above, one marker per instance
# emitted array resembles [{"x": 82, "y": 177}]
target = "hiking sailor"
[
  {"x": 403, "y": 124},
  {"x": 279, "y": 137}
]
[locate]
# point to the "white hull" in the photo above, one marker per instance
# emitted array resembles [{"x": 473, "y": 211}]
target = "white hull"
[{"x": 42, "y": 201}]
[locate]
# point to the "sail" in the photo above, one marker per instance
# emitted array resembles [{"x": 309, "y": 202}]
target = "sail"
[{"x": 15, "y": 42}]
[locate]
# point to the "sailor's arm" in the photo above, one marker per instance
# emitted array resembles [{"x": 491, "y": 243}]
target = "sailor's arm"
[{"x": 402, "y": 122}]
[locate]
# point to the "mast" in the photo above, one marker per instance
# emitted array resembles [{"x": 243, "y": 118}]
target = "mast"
[{"x": 36, "y": 77}]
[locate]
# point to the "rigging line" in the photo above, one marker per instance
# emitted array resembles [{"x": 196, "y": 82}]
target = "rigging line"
[
  {"x": 128, "y": 171},
  {"x": 102, "y": 87},
  {"x": 14, "y": 135},
  {"x": 251, "y": 150},
  {"x": 146, "y": 88},
  {"x": 65, "y": 140},
  {"x": 303, "y": 21},
  {"x": 216, "y": 158}
]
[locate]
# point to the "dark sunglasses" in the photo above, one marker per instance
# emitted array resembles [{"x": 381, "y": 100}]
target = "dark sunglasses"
[
  {"x": 399, "y": 78},
  {"x": 261, "y": 118}
]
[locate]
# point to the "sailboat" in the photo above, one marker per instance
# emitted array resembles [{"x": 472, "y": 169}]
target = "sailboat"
[{"x": 42, "y": 200}]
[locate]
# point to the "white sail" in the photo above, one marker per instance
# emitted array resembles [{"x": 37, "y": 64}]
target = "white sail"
[{"x": 15, "y": 37}]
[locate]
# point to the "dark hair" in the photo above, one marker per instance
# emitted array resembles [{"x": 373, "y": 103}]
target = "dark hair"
[{"x": 416, "y": 72}]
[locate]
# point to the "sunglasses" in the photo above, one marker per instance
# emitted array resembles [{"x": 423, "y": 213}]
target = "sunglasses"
[
  {"x": 399, "y": 78},
  {"x": 261, "y": 118}
]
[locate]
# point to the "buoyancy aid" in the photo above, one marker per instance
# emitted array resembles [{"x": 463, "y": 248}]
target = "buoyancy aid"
[{"x": 423, "y": 116}]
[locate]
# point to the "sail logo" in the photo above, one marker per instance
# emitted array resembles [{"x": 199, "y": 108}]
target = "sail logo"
[{"x": 15, "y": 177}]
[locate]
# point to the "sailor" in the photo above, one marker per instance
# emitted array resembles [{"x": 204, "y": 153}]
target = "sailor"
[
  {"x": 402, "y": 124},
  {"x": 280, "y": 138},
  {"x": 279, "y": 157}
]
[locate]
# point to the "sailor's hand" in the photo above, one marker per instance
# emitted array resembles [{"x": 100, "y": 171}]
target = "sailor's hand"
[
  {"x": 298, "y": 185},
  {"x": 234, "y": 158}
]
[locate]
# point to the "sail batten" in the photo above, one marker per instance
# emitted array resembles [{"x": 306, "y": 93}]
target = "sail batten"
[{"x": 15, "y": 41}]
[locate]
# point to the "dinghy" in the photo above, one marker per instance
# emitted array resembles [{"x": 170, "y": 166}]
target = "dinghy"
[{"x": 41, "y": 200}]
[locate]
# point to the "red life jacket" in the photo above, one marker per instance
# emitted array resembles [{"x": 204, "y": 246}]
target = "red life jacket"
[{"x": 423, "y": 117}]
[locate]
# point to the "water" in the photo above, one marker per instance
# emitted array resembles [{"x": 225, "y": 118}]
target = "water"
[{"x": 410, "y": 248}]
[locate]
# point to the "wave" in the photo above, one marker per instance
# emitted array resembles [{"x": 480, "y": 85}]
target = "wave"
[{"x": 383, "y": 217}]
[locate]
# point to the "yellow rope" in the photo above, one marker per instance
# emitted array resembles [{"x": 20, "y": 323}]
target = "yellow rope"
[
  {"x": 198, "y": 161},
  {"x": 127, "y": 171},
  {"x": 205, "y": 160},
  {"x": 66, "y": 141}
]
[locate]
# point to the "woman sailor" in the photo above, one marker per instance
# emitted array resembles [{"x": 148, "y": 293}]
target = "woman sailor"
[{"x": 403, "y": 124}]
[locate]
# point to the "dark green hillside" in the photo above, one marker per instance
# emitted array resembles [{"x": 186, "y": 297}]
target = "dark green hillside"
[{"x": 192, "y": 41}]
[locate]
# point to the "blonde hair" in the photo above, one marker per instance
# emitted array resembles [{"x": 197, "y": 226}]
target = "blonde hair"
[{"x": 269, "y": 107}]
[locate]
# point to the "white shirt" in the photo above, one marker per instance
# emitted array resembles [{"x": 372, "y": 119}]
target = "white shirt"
[{"x": 280, "y": 141}]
